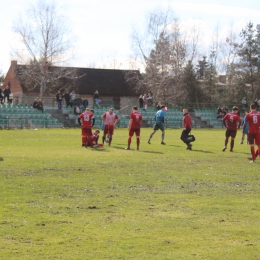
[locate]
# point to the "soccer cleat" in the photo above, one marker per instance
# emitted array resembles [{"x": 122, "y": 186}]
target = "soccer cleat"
[
  {"x": 127, "y": 148},
  {"x": 148, "y": 142},
  {"x": 162, "y": 142},
  {"x": 224, "y": 149}
]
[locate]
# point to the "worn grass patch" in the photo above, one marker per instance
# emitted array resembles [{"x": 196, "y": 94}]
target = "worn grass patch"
[{"x": 61, "y": 201}]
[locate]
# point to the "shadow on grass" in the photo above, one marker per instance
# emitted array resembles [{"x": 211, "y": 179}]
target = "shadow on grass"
[
  {"x": 201, "y": 151},
  {"x": 1, "y": 158},
  {"x": 133, "y": 149}
]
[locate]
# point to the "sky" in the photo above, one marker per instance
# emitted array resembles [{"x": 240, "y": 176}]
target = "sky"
[{"x": 101, "y": 29}]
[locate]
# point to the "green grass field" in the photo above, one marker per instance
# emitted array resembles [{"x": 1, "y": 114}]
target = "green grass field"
[{"x": 62, "y": 201}]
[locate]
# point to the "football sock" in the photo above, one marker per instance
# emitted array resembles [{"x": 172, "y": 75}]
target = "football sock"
[
  {"x": 151, "y": 135},
  {"x": 110, "y": 140},
  {"x": 103, "y": 139},
  {"x": 253, "y": 152},
  {"x": 90, "y": 141},
  {"x": 242, "y": 140},
  {"x": 257, "y": 152},
  {"x": 138, "y": 142},
  {"x": 129, "y": 142},
  {"x": 226, "y": 141},
  {"x": 84, "y": 139},
  {"x": 231, "y": 144},
  {"x": 162, "y": 137}
]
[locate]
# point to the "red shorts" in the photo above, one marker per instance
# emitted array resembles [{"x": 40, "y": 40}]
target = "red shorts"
[
  {"x": 86, "y": 132},
  {"x": 254, "y": 139},
  {"x": 134, "y": 130},
  {"x": 230, "y": 132},
  {"x": 109, "y": 129}
]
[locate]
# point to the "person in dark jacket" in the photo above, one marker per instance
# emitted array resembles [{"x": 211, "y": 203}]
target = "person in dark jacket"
[{"x": 187, "y": 125}]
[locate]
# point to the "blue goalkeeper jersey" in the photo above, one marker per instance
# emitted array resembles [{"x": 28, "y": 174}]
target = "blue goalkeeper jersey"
[{"x": 159, "y": 116}]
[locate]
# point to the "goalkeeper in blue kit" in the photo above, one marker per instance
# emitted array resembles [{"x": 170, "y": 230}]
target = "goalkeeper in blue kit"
[{"x": 159, "y": 124}]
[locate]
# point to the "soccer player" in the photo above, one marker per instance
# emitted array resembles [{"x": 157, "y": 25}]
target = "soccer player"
[
  {"x": 253, "y": 119},
  {"x": 159, "y": 124},
  {"x": 85, "y": 120},
  {"x": 244, "y": 125},
  {"x": 134, "y": 127},
  {"x": 187, "y": 125},
  {"x": 109, "y": 119},
  {"x": 232, "y": 122}
]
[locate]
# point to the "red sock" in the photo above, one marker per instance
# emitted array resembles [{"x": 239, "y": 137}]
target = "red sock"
[
  {"x": 129, "y": 142},
  {"x": 84, "y": 139},
  {"x": 110, "y": 139},
  {"x": 257, "y": 151},
  {"x": 231, "y": 144},
  {"x": 253, "y": 152},
  {"x": 138, "y": 142}
]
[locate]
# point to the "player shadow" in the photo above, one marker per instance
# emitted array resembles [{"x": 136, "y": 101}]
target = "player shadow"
[
  {"x": 1, "y": 158},
  {"x": 134, "y": 149},
  {"x": 201, "y": 151},
  {"x": 99, "y": 149}
]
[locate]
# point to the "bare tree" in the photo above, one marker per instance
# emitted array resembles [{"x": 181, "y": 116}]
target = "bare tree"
[{"x": 45, "y": 40}]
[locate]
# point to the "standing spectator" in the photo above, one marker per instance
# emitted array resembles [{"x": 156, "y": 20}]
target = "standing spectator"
[
  {"x": 35, "y": 103},
  {"x": 85, "y": 103},
  {"x": 150, "y": 99},
  {"x": 134, "y": 127},
  {"x": 96, "y": 99},
  {"x": 77, "y": 110},
  {"x": 11, "y": 98},
  {"x": 141, "y": 101},
  {"x": 72, "y": 98},
  {"x": 78, "y": 102},
  {"x": 159, "y": 124},
  {"x": 85, "y": 120},
  {"x": 253, "y": 119},
  {"x": 110, "y": 119},
  {"x": 66, "y": 96},
  {"x": 145, "y": 102},
  {"x": 40, "y": 105},
  {"x": 59, "y": 99},
  {"x": 1, "y": 96},
  {"x": 7, "y": 93},
  {"x": 187, "y": 126},
  {"x": 244, "y": 103},
  {"x": 232, "y": 122}
]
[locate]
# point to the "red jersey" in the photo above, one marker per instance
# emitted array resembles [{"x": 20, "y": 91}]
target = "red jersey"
[
  {"x": 253, "y": 119},
  {"x": 109, "y": 119},
  {"x": 232, "y": 121},
  {"x": 187, "y": 122},
  {"x": 136, "y": 119},
  {"x": 86, "y": 118}
]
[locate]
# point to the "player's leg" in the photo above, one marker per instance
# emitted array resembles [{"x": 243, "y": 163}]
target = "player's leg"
[
  {"x": 130, "y": 135},
  {"x": 155, "y": 128},
  {"x": 83, "y": 137},
  {"x": 137, "y": 133},
  {"x": 227, "y": 134},
  {"x": 233, "y": 136},
  {"x": 111, "y": 132},
  {"x": 242, "y": 138},
  {"x": 251, "y": 140},
  {"x": 163, "y": 134},
  {"x": 104, "y": 133}
]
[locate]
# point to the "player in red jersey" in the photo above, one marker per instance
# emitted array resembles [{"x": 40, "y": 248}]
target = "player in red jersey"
[
  {"x": 86, "y": 122},
  {"x": 232, "y": 122},
  {"x": 253, "y": 119},
  {"x": 134, "y": 126},
  {"x": 109, "y": 119}
]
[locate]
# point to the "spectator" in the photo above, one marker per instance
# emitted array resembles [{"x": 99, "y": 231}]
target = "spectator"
[
  {"x": 40, "y": 105},
  {"x": 158, "y": 107},
  {"x": 59, "y": 99},
  {"x": 1, "y": 96},
  {"x": 77, "y": 110},
  {"x": 35, "y": 103},
  {"x": 244, "y": 103},
  {"x": 66, "y": 96},
  {"x": 85, "y": 103},
  {"x": 141, "y": 101},
  {"x": 96, "y": 99},
  {"x": 10, "y": 98},
  {"x": 72, "y": 97},
  {"x": 150, "y": 99},
  {"x": 6, "y": 93},
  {"x": 145, "y": 102},
  {"x": 221, "y": 112}
]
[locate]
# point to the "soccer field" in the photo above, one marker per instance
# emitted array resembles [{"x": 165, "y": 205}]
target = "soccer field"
[{"x": 63, "y": 201}]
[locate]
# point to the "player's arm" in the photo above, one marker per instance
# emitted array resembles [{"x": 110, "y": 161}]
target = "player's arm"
[
  {"x": 93, "y": 121},
  {"x": 130, "y": 123},
  {"x": 116, "y": 120},
  {"x": 239, "y": 122},
  {"x": 103, "y": 118}
]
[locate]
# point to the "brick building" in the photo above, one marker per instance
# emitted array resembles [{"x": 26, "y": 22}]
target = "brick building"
[{"x": 111, "y": 84}]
